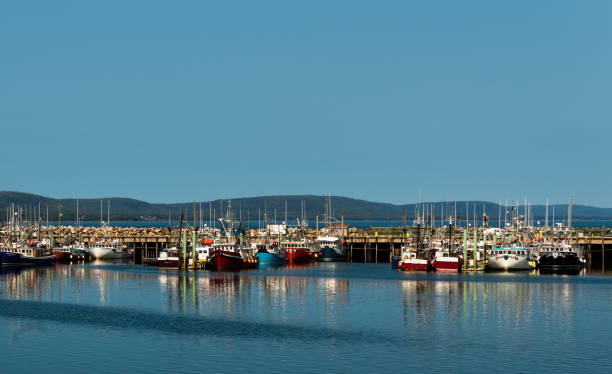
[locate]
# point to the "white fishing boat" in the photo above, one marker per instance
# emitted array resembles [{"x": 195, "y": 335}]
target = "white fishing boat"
[
  {"x": 169, "y": 259},
  {"x": 508, "y": 258},
  {"x": 107, "y": 250},
  {"x": 202, "y": 253}
]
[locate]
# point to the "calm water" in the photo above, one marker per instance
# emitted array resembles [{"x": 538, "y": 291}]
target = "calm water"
[{"x": 121, "y": 318}]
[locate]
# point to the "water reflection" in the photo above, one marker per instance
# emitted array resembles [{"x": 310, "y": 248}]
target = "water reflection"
[
  {"x": 467, "y": 304},
  {"x": 464, "y": 301},
  {"x": 343, "y": 315}
]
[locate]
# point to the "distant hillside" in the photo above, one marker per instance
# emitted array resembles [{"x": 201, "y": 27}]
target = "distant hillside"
[{"x": 124, "y": 209}]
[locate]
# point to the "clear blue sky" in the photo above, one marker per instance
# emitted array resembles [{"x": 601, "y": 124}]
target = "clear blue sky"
[{"x": 178, "y": 101}]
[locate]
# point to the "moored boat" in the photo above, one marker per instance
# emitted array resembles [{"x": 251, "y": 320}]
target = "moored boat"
[
  {"x": 225, "y": 257},
  {"x": 414, "y": 258},
  {"x": 107, "y": 250},
  {"x": 330, "y": 249},
  {"x": 169, "y": 259},
  {"x": 26, "y": 256},
  {"x": 416, "y": 264},
  {"x": 270, "y": 255},
  {"x": 298, "y": 252},
  {"x": 63, "y": 255},
  {"x": 203, "y": 252},
  {"x": 560, "y": 263},
  {"x": 508, "y": 259},
  {"x": 451, "y": 264}
]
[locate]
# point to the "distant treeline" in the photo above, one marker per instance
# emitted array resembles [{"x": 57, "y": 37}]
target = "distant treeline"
[{"x": 123, "y": 209}]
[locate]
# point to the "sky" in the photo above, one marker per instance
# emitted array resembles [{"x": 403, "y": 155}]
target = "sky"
[{"x": 196, "y": 100}]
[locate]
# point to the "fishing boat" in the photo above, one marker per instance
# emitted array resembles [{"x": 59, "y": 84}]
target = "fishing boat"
[
  {"x": 271, "y": 255},
  {"x": 203, "y": 252},
  {"x": 451, "y": 264},
  {"x": 446, "y": 258},
  {"x": 330, "y": 249},
  {"x": 169, "y": 259},
  {"x": 298, "y": 252},
  {"x": 107, "y": 250},
  {"x": 414, "y": 258},
  {"x": 63, "y": 255},
  {"x": 560, "y": 259},
  {"x": 225, "y": 256},
  {"x": 229, "y": 255},
  {"x": 26, "y": 256},
  {"x": 507, "y": 259},
  {"x": 412, "y": 262},
  {"x": 81, "y": 252}
]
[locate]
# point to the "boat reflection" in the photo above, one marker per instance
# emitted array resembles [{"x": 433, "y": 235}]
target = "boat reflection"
[{"x": 468, "y": 302}]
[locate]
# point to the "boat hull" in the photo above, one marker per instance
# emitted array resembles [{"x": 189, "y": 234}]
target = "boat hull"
[
  {"x": 395, "y": 262},
  {"x": 170, "y": 264},
  {"x": 508, "y": 263},
  {"x": 267, "y": 258},
  {"x": 416, "y": 265},
  {"x": 63, "y": 256},
  {"x": 107, "y": 253},
  {"x": 224, "y": 260},
  {"x": 560, "y": 269},
  {"x": 560, "y": 263},
  {"x": 299, "y": 256},
  {"x": 331, "y": 255},
  {"x": 17, "y": 259},
  {"x": 447, "y": 264}
]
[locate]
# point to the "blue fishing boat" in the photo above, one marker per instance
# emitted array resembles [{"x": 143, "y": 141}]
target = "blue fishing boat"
[{"x": 270, "y": 256}]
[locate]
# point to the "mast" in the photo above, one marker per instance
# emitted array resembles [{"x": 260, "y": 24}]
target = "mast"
[
  {"x": 59, "y": 216},
  {"x": 569, "y": 215},
  {"x": 194, "y": 214},
  {"x": 553, "y": 216},
  {"x": 403, "y": 229}
]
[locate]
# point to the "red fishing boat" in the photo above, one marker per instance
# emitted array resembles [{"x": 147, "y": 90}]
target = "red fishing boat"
[
  {"x": 63, "y": 255},
  {"x": 416, "y": 264},
  {"x": 66, "y": 255},
  {"x": 414, "y": 258},
  {"x": 298, "y": 252},
  {"x": 226, "y": 257},
  {"x": 446, "y": 259},
  {"x": 450, "y": 264}
]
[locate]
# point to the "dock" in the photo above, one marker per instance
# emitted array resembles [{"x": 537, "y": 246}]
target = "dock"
[{"x": 361, "y": 246}]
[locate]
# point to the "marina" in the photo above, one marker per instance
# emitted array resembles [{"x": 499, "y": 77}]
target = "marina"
[
  {"x": 144, "y": 245},
  {"x": 305, "y": 187}
]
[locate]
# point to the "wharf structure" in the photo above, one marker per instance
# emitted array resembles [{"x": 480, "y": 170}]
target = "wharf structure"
[{"x": 362, "y": 246}]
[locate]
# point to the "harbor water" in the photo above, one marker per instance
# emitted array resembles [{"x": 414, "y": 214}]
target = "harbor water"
[{"x": 327, "y": 317}]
